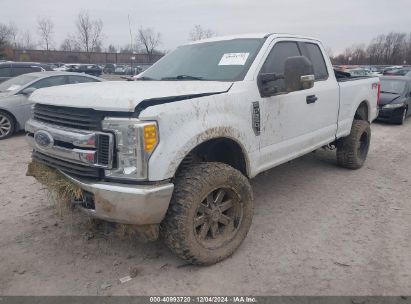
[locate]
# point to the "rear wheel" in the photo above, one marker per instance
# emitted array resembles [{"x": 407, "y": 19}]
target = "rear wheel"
[
  {"x": 210, "y": 213},
  {"x": 353, "y": 149},
  {"x": 7, "y": 125}
]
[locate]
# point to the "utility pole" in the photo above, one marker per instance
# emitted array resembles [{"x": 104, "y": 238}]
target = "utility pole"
[{"x": 131, "y": 43}]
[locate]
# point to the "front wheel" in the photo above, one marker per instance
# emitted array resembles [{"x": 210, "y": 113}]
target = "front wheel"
[
  {"x": 7, "y": 125},
  {"x": 353, "y": 149},
  {"x": 403, "y": 116},
  {"x": 210, "y": 213}
]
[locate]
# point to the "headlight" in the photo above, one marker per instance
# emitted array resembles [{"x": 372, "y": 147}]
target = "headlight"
[
  {"x": 135, "y": 142},
  {"x": 393, "y": 106}
]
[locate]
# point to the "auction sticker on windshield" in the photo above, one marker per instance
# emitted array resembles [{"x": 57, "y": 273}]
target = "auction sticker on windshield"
[{"x": 234, "y": 59}]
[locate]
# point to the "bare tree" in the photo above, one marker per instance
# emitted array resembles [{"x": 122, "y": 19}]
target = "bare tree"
[
  {"x": 408, "y": 49},
  {"x": 89, "y": 33},
  {"x": 13, "y": 34},
  {"x": 25, "y": 41},
  {"x": 5, "y": 35},
  {"x": 128, "y": 48},
  {"x": 198, "y": 33},
  {"x": 69, "y": 44},
  {"x": 45, "y": 28},
  {"x": 111, "y": 49},
  {"x": 393, "y": 48},
  {"x": 149, "y": 40}
]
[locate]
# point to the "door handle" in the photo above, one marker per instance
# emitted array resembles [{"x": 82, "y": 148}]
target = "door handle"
[{"x": 311, "y": 99}]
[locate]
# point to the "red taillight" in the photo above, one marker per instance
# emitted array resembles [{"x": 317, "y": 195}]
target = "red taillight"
[{"x": 377, "y": 85}]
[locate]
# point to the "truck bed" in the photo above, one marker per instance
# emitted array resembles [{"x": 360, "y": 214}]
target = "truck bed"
[
  {"x": 343, "y": 76},
  {"x": 356, "y": 88}
]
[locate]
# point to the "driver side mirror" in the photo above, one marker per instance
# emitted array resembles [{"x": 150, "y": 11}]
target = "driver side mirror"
[
  {"x": 28, "y": 91},
  {"x": 298, "y": 74}
]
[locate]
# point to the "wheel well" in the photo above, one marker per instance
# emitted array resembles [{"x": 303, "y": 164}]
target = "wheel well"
[
  {"x": 223, "y": 150},
  {"x": 362, "y": 112}
]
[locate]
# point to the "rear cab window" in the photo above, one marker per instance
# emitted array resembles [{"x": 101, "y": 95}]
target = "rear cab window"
[{"x": 313, "y": 52}]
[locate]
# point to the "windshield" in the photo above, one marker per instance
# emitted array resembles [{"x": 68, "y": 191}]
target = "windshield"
[
  {"x": 392, "y": 86},
  {"x": 16, "y": 82},
  {"x": 227, "y": 60}
]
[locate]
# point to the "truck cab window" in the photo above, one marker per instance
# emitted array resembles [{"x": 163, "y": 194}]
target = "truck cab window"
[{"x": 275, "y": 62}]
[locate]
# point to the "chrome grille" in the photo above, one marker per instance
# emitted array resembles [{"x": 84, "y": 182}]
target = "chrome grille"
[
  {"x": 80, "y": 152},
  {"x": 84, "y": 119}
]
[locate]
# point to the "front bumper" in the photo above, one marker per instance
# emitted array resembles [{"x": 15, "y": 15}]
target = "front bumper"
[
  {"x": 394, "y": 114},
  {"x": 123, "y": 203}
]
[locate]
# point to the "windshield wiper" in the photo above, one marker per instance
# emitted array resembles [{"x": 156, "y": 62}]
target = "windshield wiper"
[
  {"x": 389, "y": 92},
  {"x": 144, "y": 78},
  {"x": 183, "y": 77}
]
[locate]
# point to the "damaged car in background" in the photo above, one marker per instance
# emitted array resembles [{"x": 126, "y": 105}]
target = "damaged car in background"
[
  {"x": 395, "y": 99},
  {"x": 176, "y": 149}
]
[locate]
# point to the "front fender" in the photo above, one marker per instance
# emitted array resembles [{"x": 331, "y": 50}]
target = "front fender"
[{"x": 165, "y": 167}]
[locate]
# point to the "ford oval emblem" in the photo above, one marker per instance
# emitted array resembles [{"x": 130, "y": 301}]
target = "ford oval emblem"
[{"x": 43, "y": 139}]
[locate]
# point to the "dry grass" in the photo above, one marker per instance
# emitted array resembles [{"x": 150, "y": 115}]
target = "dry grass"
[{"x": 60, "y": 189}]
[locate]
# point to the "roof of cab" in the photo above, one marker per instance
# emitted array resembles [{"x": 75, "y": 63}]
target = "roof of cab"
[{"x": 252, "y": 36}]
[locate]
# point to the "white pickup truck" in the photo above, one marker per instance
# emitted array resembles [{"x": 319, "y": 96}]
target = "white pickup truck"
[{"x": 173, "y": 152}]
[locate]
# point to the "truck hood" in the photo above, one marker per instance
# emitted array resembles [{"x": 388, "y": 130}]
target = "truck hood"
[{"x": 124, "y": 96}]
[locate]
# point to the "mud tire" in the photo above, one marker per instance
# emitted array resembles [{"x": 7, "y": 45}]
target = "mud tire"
[
  {"x": 352, "y": 150},
  {"x": 192, "y": 185}
]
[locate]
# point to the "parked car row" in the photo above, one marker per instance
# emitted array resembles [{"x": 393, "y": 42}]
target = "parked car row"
[
  {"x": 90, "y": 69},
  {"x": 375, "y": 70},
  {"x": 399, "y": 72},
  {"x": 97, "y": 70},
  {"x": 121, "y": 69},
  {"x": 9, "y": 69}
]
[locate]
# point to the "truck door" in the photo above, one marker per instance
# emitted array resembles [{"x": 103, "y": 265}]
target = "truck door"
[{"x": 297, "y": 122}]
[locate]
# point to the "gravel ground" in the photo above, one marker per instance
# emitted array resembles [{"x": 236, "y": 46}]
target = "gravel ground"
[{"x": 318, "y": 230}]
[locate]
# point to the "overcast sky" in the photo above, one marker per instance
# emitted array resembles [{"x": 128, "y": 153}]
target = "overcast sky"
[{"x": 339, "y": 23}]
